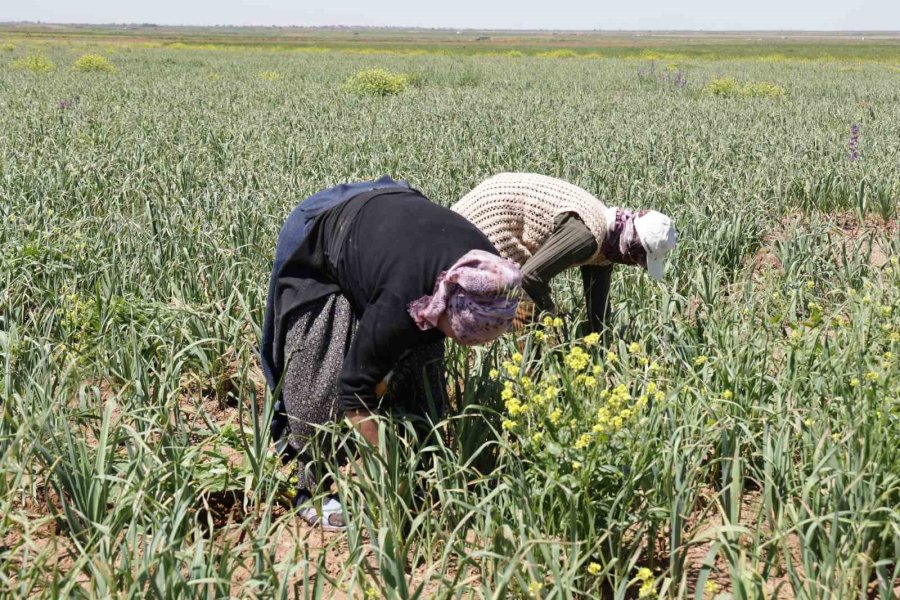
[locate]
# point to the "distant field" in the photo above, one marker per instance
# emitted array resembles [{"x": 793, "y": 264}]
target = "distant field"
[
  {"x": 877, "y": 46},
  {"x": 733, "y": 434}
]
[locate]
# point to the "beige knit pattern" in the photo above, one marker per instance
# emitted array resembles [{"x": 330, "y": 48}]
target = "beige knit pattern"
[{"x": 517, "y": 211}]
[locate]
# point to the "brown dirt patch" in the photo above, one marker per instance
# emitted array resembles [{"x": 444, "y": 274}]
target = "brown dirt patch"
[
  {"x": 850, "y": 232},
  {"x": 703, "y": 526}
]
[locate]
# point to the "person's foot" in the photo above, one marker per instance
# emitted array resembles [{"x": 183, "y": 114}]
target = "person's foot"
[{"x": 333, "y": 516}]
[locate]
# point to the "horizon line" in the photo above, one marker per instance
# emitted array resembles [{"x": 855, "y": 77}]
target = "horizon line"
[{"x": 452, "y": 29}]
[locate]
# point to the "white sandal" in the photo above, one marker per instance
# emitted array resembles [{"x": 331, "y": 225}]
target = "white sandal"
[{"x": 334, "y": 517}]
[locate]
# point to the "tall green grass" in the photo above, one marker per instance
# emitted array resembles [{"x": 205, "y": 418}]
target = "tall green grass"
[{"x": 138, "y": 226}]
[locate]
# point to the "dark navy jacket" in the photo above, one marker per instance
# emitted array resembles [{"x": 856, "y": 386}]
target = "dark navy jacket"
[{"x": 291, "y": 236}]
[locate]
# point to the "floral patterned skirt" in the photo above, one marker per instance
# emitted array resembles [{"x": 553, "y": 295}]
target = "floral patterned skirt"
[{"x": 317, "y": 340}]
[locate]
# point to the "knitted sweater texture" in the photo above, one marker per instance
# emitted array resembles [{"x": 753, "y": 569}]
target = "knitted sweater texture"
[{"x": 517, "y": 212}]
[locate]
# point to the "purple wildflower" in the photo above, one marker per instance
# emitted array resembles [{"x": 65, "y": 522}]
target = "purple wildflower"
[
  {"x": 854, "y": 141},
  {"x": 69, "y": 103},
  {"x": 650, "y": 75},
  {"x": 647, "y": 75}
]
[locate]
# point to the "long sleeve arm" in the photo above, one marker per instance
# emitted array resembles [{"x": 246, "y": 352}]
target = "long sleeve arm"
[
  {"x": 570, "y": 243},
  {"x": 384, "y": 332}
]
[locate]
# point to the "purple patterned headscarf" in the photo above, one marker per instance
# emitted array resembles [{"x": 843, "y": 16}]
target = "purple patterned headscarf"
[
  {"x": 623, "y": 244},
  {"x": 479, "y": 294}
]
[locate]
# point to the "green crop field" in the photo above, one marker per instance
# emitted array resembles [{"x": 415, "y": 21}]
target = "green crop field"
[{"x": 733, "y": 434}]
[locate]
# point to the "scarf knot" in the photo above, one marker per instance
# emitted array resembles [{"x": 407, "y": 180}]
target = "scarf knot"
[{"x": 622, "y": 244}]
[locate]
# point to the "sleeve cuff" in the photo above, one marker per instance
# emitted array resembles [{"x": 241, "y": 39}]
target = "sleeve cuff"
[{"x": 355, "y": 402}]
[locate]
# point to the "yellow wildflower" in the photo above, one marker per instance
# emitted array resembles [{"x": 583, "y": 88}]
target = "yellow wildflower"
[
  {"x": 711, "y": 587},
  {"x": 700, "y": 360},
  {"x": 511, "y": 369},
  {"x": 509, "y": 424},
  {"x": 810, "y": 284},
  {"x": 644, "y": 361},
  {"x": 592, "y": 339},
  {"x": 539, "y": 336},
  {"x": 727, "y": 395},
  {"x": 548, "y": 322},
  {"x": 493, "y": 373},
  {"x": 538, "y": 437},
  {"x": 871, "y": 376},
  {"x": 611, "y": 357},
  {"x": 583, "y": 442},
  {"x": 534, "y": 589},
  {"x": 576, "y": 465},
  {"x": 854, "y": 382},
  {"x": 514, "y": 407},
  {"x": 555, "y": 416},
  {"x": 371, "y": 593},
  {"x": 647, "y": 590},
  {"x": 895, "y": 336},
  {"x": 644, "y": 574},
  {"x": 634, "y": 348},
  {"x": 594, "y": 568},
  {"x": 516, "y": 357},
  {"x": 557, "y": 322},
  {"x": 886, "y": 311},
  {"x": 577, "y": 359}
]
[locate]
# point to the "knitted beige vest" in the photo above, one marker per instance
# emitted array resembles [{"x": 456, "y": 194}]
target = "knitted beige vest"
[{"x": 516, "y": 211}]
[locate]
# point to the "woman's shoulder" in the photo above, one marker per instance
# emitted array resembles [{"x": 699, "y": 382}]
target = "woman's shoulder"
[
  {"x": 527, "y": 189},
  {"x": 523, "y": 186}
]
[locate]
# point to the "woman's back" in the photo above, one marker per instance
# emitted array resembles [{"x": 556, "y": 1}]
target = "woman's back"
[
  {"x": 518, "y": 211},
  {"x": 401, "y": 242}
]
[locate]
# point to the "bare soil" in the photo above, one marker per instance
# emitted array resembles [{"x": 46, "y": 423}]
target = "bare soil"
[{"x": 848, "y": 229}]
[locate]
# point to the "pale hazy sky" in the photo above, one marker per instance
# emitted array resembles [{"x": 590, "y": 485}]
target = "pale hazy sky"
[{"x": 523, "y": 14}]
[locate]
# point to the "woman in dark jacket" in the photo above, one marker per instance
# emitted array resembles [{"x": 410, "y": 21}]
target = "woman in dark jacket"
[{"x": 368, "y": 280}]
